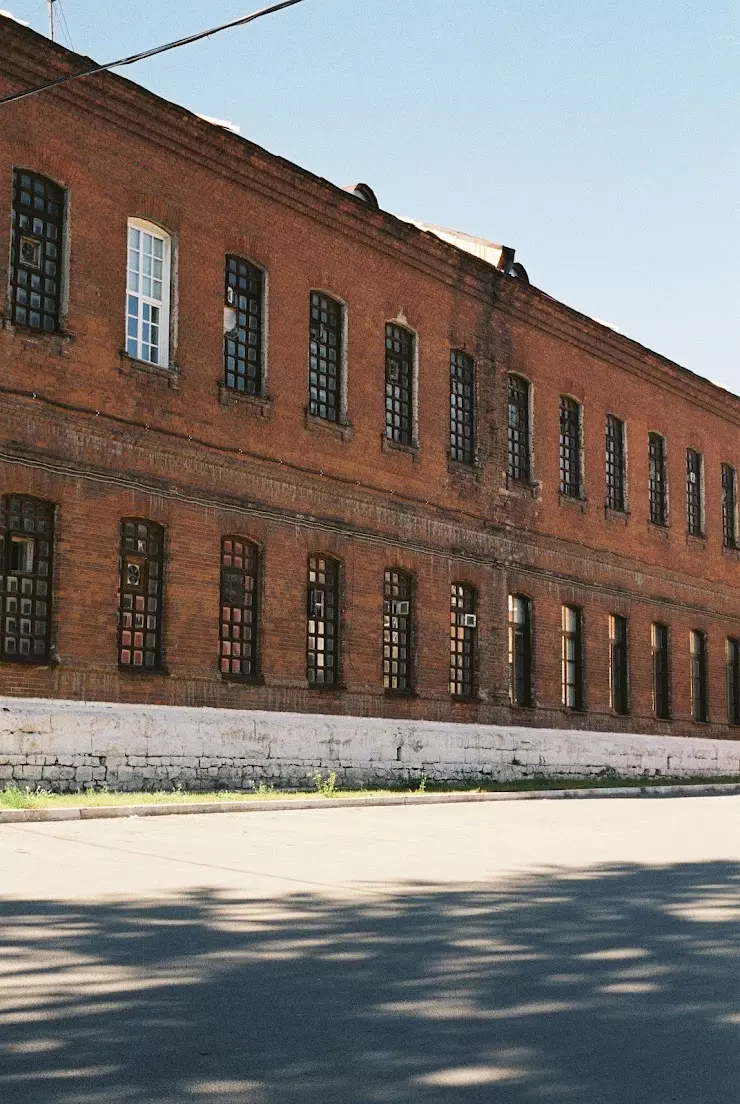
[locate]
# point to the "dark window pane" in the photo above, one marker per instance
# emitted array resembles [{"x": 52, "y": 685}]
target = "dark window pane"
[
  {"x": 733, "y": 680},
  {"x": 463, "y": 640},
  {"x": 462, "y": 407},
  {"x": 729, "y": 506},
  {"x": 520, "y": 650},
  {"x": 238, "y": 618},
  {"x": 243, "y": 343},
  {"x": 399, "y": 375},
  {"x": 518, "y": 429},
  {"x": 694, "y": 500},
  {"x": 32, "y": 251},
  {"x": 324, "y": 357},
  {"x": 615, "y": 464},
  {"x": 661, "y": 672},
  {"x": 570, "y": 447},
  {"x": 618, "y": 664},
  {"x": 139, "y": 590},
  {"x": 322, "y": 617},
  {"x": 398, "y": 644},
  {"x": 657, "y": 479},
  {"x": 26, "y": 535},
  {"x": 699, "y": 677}
]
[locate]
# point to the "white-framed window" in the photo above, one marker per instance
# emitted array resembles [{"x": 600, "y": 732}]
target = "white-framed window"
[{"x": 148, "y": 293}]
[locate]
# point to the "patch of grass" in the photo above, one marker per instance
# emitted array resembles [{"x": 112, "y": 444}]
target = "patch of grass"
[{"x": 16, "y": 797}]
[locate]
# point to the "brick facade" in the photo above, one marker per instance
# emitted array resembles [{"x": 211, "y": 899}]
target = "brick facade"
[{"x": 104, "y": 437}]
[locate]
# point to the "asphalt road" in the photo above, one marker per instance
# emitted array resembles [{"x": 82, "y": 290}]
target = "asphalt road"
[{"x": 584, "y": 951}]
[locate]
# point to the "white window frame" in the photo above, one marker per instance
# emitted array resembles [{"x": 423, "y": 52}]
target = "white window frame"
[{"x": 139, "y": 302}]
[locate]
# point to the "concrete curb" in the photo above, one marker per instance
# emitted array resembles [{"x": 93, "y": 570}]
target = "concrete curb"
[{"x": 106, "y": 812}]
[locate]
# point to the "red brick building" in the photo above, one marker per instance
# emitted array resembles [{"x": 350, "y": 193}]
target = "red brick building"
[{"x": 267, "y": 446}]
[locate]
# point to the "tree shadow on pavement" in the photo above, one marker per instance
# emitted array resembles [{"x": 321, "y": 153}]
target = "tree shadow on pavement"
[{"x": 608, "y": 984}]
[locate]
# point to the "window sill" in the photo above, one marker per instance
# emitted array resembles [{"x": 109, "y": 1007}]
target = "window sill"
[
  {"x": 343, "y": 431},
  {"x": 48, "y": 662},
  {"x": 470, "y": 472},
  {"x": 124, "y": 668},
  {"x": 660, "y": 528},
  {"x": 387, "y": 444},
  {"x": 258, "y": 405},
  {"x": 731, "y": 551},
  {"x": 521, "y": 488},
  {"x": 55, "y": 342},
  {"x": 243, "y": 680},
  {"x": 465, "y": 699},
  {"x": 167, "y": 377},
  {"x": 576, "y": 502},
  {"x": 390, "y": 692},
  {"x": 332, "y": 688},
  {"x": 696, "y": 540},
  {"x": 611, "y": 514}
]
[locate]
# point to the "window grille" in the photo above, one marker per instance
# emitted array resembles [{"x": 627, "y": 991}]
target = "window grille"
[
  {"x": 322, "y": 647},
  {"x": 699, "y": 680},
  {"x": 463, "y": 640},
  {"x": 729, "y": 506},
  {"x": 520, "y": 650},
  {"x": 462, "y": 407},
  {"x": 239, "y": 600},
  {"x": 618, "y": 664},
  {"x": 657, "y": 480},
  {"x": 399, "y": 381},
  {"x": 325, "y": 357},
  {"x": 615, "y": 464},
  {"x": 243, "y": 307},
  {"x": 148, "y": 293},
  {"x": 570, "y": 447},
  {"x": 694, "y": 498},
  {"x": 518, "y": 429},
  {"x": 397, "y": 631},
  {"x": 661, "y": 672},
  {"x": 26, "y": 536},
  {"x": 733, "y": 680},
  {"x": 36, "y": 251},
  {"x": 573, "y": 657},
  {"x": 140, "y": 594}
]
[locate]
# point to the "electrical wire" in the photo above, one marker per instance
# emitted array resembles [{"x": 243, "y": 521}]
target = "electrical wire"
[
  {"x": 64, "y": 24},
  {"x": 240, "y": 22}
]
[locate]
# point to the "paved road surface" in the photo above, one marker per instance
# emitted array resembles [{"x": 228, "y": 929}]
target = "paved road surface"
[{"x": 525, "y": 952}]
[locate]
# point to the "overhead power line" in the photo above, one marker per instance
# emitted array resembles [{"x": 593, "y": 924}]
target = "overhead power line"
[{"x": 14, "y": 96}]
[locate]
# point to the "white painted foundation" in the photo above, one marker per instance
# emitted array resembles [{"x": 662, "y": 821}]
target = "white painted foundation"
[{"x": 67, "y": 745}]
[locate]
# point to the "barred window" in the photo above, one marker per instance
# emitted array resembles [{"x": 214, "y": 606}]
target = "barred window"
[
  {"x": 462, "y": 407},
  {"x": 699, "y": 679},
  {"x": 729, "y": 506},
  {"x": 570, "y": 447},
  {"x": 733, "y": 680},
  {"x": 694, "y": 496},
  {"x": 657, "y": 481},
  {"x": 26, "y": 537},
  {"x": 148, "y": 293},
  {"x": 520, "y": 650},
  {"x": 36, "y": 251},
  {"x": 661, "y": 672},
  {"x": 518, "y": 429},
  {"x": 325, "y": 357},
  {"x": 463, "y": 640},
  {"x": 140, "y": 594},
  {"x": 618, "y": 664},
  {"x": 573, "y": 657},
  {"x": 239, "y": 607},
  {"x": 322, "y": 644},
  {"x": 616, "y": 473},
  {"x": 244, "y": 295},
  {"x": 399, "y": 384},
  {"x": 398, "y": 615}
]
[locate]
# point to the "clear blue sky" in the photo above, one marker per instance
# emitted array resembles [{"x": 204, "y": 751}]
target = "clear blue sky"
[{"x": 600, "y": 139}]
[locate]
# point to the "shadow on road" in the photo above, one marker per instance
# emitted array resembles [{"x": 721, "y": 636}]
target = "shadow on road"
[{"x": 611, "y": 984}]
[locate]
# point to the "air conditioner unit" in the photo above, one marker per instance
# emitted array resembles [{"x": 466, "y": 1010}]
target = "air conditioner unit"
[
  {"x": 468, "y": 620},
  {"x": 400, "y": 609}
]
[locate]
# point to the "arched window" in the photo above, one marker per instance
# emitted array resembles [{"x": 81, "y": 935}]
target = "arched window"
[
  {"x": 36, "y": 251},
  {"x": 463, "y": 640},
  {"x": 520, "y": 650},
  {"x": 239, "y": 608},
  {"x": 26, "y": 536},
  {"x": 140, "y": 595},
  {"x": 322, "y": 622},
  {"x": 399, "y": 384},
  {"x": 148, "y": 293},
  {"x": 571, "y": 473},
  {"x": 462, "y": 407},
  {"x": 657, "y": 479},
  {"x": 398, "y": 624}
]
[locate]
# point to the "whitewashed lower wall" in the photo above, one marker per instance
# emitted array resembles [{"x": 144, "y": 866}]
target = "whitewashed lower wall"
[{"x": 67, "y": 745}]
